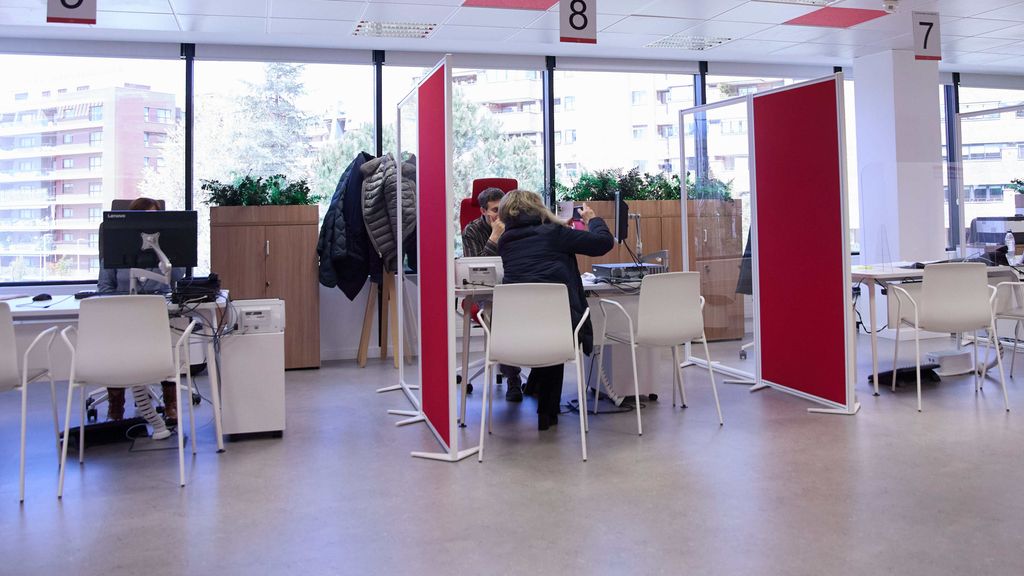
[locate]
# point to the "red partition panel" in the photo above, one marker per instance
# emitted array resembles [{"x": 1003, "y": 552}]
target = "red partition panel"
[
  {"x": 800, "y": 247},
  {"x": 434, "y": 229}
]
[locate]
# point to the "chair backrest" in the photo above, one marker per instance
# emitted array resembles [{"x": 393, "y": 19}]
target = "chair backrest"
[
  {"x": 469, "y": 208},
  {"x": 9, "y": 377},
  {"x": 531, "y": 325},
  {"x": 669, "y": 310},
  {"x": 124, "y": 203},
  {"x": 954, "y": 297},
  {"x": 123, "y": 341}
]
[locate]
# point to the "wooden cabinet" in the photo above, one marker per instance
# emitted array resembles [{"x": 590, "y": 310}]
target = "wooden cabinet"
[
  {"x": 270, "y": 252},
  {"x": 715, "y": 242}
]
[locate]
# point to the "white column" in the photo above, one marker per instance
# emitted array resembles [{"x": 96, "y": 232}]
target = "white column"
[{"x": 899, "y": 158}]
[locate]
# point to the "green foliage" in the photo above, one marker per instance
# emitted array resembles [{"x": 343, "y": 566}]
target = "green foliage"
[
  {"x": 1018, "y": 185},
  {"x": 632, "y": 185},
  {"x": 259, "y": 191},
  {"x": 708, "y": 188}
]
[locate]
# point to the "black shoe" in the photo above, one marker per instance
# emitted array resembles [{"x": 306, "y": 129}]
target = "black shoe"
[
  {"x": 545, "y": 421},
  {"x": 515, "y": 390}
]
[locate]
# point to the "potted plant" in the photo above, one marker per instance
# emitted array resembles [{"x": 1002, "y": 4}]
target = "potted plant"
[{"x": 1017, "y": 184}]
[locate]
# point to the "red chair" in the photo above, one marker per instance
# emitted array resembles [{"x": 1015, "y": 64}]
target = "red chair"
[{"x": 469, "y": 209}]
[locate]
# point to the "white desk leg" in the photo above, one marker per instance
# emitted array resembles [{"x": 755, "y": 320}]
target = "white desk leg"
[
  {"x": 874, "y": 333},
  {"x": 467, "y": 313},
  {"x": 213, "y": 367}
]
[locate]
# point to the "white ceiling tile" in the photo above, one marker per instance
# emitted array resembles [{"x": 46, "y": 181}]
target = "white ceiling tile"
[
  {"x": 1009, "y": 49},
  {"x": 976, "y": 44},
  {"x": 391, "y": 12},
  {"x": 618, "y": 7},
  {"x": 766, "y": 12},
  {"x": 153, "y": 6},
  {"x": 826, "y": 50},
  {"x": 649, "y": 25},
  {"x": 22, "y": 4},
  {"x": 689, "y": 8},
  {"x": 974, "y": 58},
  {"x": 493, "y": 17},
  {"x": 534, "y": 36},
  {"x": 307, "y": 27},
  {"x": 317, "y": 9},
  {"x": 626, "y": 40},
  {"x": 221, "y": 7},
  {"x": 851, "y": 36},
  {"x": 472, "y": 33},
  {"x": 966, "y": 8},
  {"x": 744, "y": 47},
  {"x": 549, "y": 21},
  {"x": 1015, "y": 32},
  {"x": 726, "y": 29},
  {"x": 973, "y": 26},
  {"x": 788, "y": 33},
  {"x": 136, "y": 21},
  {"x": 898, "y": 42},
  {"x": 1013, "y": 12},
  {"x": 230, "y": 24}
]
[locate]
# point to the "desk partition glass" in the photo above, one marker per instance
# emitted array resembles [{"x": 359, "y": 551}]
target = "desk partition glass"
[{"x": 716, "y": 153}]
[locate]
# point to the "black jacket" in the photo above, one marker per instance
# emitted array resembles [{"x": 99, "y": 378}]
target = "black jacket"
[
  {"x": 343, "y": 246},
  {"x": 535, "y": 252}
]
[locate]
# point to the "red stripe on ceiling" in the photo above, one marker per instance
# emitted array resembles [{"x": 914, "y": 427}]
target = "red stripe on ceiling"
[
  {"x": 516, "y": 4},
  {"x": 837, "y": 17}
]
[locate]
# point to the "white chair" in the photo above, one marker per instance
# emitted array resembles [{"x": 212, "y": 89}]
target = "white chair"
[
  {"x": 953, "y": 297},
  {"x": 1009, "y": 305},
  {"x": 17, "y": 377},
  {"x": 123, "y": 341},
  {"x": 531, "y": 326},
  {"x": 670, "y": 314}
]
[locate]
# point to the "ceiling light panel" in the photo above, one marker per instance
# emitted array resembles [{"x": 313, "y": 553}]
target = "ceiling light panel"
[
  {"x": 378, "y": 29},
  {"x": 689, "y": 42}
]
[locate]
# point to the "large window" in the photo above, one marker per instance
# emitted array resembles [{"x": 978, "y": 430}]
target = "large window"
[
  {"x": 75, "y": 111},
  {"x": 611, "y": 124},
  {"x": 990, "y": 148},
  {"x": 305, "y": 121}
]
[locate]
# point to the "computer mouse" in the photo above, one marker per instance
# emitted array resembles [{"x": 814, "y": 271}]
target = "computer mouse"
[{"x": 41, "y": 297}]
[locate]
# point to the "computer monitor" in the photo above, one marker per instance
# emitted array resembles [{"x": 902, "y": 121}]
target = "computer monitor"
[
  {"x": 121, "y": 238},
  {"x": 620, "y": 229},
  {"x": 992, "y": 230}
]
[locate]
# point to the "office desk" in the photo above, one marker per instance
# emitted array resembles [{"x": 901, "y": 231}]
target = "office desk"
[
  {"x": 476, "y": 294},
  {"x": 883, "y": 275},
  {"x": 65, "y": 309}
]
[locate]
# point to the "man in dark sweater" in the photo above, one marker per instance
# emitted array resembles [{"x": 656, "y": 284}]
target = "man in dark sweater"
[{"x": 480, "y": 238}]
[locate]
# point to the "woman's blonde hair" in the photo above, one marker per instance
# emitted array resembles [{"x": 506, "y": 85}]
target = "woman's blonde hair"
[{"x": 523, "y": 205}]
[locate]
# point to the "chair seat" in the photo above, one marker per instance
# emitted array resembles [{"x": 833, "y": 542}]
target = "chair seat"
[
  {"x": 623, "y": 338},
  {"x": 1012, "y": 314}
]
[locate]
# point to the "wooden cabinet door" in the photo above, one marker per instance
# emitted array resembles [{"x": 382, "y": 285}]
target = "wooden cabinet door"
[
  {"x": 723, "y": 306},
  {"x": 238, "y": 256},
  {"x": 292, "y": 277}
]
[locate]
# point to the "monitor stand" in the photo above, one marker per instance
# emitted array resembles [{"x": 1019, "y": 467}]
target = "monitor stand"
[{"x": 151, "y": 242}]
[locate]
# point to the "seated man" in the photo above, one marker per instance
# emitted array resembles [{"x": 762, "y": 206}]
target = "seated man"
[
  {"x": 480, "y": 238},
  {"x": 117, "y": 281}
]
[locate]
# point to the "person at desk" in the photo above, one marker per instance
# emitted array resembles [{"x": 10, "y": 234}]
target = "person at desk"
[
  {"x": 480, "y": 238},
  {"x": 538, "y": 247},
  {"x": 118, "y": 281}
]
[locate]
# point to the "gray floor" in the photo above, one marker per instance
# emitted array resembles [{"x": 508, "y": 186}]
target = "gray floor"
[{"x": 774, "y": 491}]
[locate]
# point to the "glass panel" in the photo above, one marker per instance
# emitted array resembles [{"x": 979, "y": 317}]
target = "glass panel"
[
  {"x": 60, "y": 117},
  {"x": 407, "y": 136},
  {"x": 305, "y": 121},
  {"x": 718, "y": 224},
  {"x": 991, "y": 146}
]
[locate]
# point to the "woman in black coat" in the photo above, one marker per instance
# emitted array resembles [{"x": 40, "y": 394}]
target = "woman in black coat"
[{"x": 538, "y": 247}]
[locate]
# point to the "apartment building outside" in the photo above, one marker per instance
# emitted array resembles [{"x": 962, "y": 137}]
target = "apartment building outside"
[{"x": 65, "y": 153}]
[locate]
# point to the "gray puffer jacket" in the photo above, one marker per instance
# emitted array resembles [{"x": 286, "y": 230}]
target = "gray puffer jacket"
[{"x": 380, "y": 206}]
